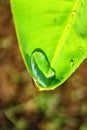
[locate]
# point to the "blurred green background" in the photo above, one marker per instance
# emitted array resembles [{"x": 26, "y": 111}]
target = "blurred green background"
[{"x": 22, "y": 107}]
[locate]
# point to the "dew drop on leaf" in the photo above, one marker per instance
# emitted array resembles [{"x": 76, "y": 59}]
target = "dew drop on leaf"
[
  {"x": 42, "y": 71},
  {"x": 72, "y": 62},
  {"x": 73, "y": 14},
  {"x": 80, "y": 49},
  {"x": 13, "y": 5},
  {"x": 55, "y": 20}
]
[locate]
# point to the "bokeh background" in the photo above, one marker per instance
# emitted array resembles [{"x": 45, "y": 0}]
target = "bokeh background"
[{"x": 24, "y": 108}]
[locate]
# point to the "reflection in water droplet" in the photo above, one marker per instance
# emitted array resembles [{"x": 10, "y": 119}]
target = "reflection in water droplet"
[
  {"x": 72, "y": 63},
  {"x": 42, "y": 71}
]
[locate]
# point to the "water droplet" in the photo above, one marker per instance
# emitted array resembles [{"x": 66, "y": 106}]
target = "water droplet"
[
  {"x": 41, "y": 69},
  {"x": 72, "y": 62},
  {"x": 61, "y": 78},
  {"x": 13, "y": 5},
  {"x": 54, "y": 20},
  {"x": 79, "y": 48},
  {"x": 81, "y": 2},
  {"x": 73, "y": 14}
]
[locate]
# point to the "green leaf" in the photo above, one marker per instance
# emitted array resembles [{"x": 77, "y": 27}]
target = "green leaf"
[{"x": 52, "y": 36}]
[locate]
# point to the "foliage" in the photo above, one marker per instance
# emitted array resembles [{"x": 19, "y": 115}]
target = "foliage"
[{"x": 52, "y": 37}]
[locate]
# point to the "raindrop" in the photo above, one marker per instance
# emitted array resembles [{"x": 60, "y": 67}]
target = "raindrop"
[
  {"x": 61, "y": 78},
  {"x": 81, "y": 2},
  {"x": 72, "y": 62},
  {"x": 79, "y": 48},
  {"x": 42, "y": 71},
  {"x": 73, "y": 14},
  {"x": 13, "y": 5},
  {"x": 54, "y": 20}
]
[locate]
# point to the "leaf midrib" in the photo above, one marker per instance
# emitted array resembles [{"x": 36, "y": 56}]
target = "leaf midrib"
[{"x": 65, "y": 32}]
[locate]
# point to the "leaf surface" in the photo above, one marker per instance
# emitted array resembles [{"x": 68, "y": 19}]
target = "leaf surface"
[{"x": 52, "y": 36}]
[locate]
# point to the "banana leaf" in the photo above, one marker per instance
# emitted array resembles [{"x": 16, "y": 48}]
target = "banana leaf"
[{"x": 52, "y": 36}]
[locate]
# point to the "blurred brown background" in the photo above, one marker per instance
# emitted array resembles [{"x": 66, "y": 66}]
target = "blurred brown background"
[{"x": 24, "y": 108}]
